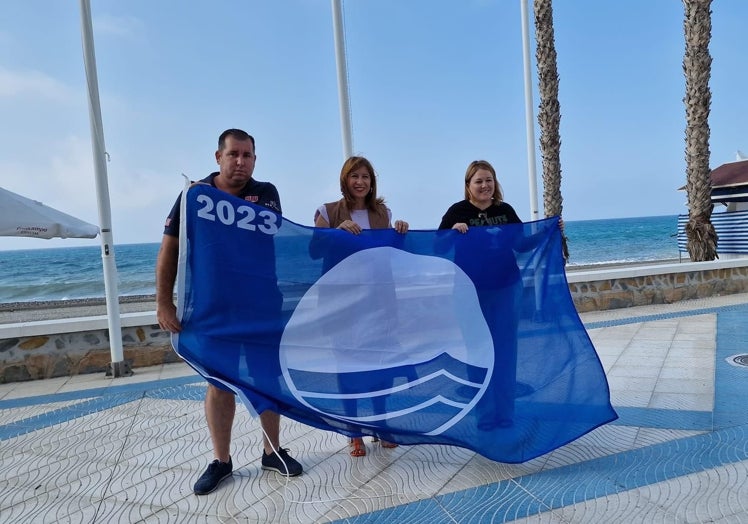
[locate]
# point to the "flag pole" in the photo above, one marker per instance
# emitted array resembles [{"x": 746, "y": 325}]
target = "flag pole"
[
  {"x": 117, "y": 367},
  {"x": 340, "y": 61},
  {"x": 530, "y": 138},
  {"x": 529, "y": 116}
]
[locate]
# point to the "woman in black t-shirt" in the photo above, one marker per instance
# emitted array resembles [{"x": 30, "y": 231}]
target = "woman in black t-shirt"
[
  {"x": 497, "y": 280},
  {"x": 484, "y": 202}
]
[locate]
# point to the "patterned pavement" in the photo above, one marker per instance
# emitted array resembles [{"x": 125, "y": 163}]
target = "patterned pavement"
[{"x": 95, "y": 449}]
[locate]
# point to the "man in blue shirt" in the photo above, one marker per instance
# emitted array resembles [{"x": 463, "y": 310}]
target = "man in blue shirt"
[{"x": 236, "y": 160}]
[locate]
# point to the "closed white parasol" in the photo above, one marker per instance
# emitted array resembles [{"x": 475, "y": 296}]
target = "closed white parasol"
[{"x": 24, "y": 217}]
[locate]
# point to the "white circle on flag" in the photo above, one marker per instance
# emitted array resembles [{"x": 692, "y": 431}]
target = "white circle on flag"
[{"x": 399, "y": 333}]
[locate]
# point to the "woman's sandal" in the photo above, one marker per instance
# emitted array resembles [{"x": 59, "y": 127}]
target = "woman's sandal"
[
  {"x": 357, "y": 447},
  {"x": 384, "y": 443}
]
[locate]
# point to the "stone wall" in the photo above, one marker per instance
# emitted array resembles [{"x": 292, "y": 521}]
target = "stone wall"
[
  {"x": 612, "y": 291},
  {"x": 45, "y": 349},
  {"x": 77, "y": 352}
]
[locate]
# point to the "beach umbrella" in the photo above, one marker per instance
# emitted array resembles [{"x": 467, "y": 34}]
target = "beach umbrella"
[{"x": 24, "y": 217}]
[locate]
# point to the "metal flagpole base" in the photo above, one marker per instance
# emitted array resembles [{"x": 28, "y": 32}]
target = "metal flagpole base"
[{"x": 119, "y": 369}]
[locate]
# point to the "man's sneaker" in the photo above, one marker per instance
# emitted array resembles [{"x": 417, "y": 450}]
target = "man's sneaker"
[
  {"x": 216, "y": 472},
  {"x": 283, "y": 464}
]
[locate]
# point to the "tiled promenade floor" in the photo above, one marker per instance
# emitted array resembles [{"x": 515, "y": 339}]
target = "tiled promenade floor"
[{"x": 93, "y": 449}]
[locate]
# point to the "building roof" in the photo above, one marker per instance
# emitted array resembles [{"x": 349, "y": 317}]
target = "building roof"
[{"x": 730, "y": 174}]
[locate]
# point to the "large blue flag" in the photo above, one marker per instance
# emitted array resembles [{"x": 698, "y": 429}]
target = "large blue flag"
[{"x": 432, "y": 337}]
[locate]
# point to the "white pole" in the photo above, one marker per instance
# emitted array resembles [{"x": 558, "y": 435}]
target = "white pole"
[
  {"x": 529, "y": 116},
  {"x": 118, "y": 367},
  {"x": 340, "y": 60},
  {"x": 530, "y": 136}
]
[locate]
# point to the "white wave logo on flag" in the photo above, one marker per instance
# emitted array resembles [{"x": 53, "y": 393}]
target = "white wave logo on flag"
[{"x": 376, "y": 343}]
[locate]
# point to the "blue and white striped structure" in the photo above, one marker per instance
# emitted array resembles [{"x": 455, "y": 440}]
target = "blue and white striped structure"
[{"x": 731, "y": 228}]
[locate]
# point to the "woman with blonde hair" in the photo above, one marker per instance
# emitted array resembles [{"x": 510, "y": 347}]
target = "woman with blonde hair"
[
  {"x": 484, "y": 201},
  {"x": 501, "y": 287}
]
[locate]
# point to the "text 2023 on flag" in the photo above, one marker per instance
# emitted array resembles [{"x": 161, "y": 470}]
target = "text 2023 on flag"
[{"x": 430, "y": 337}]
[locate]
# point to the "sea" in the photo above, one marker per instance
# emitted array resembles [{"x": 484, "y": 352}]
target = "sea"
[{"x": 67, "y": 273}]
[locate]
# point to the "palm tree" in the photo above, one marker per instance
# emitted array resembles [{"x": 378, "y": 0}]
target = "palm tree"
[
  {"x": 549, "y": 114},
  {"x": 697, "y": 64}
]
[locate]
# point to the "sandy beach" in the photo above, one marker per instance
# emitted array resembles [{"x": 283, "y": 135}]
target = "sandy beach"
[{"x": 83, "y": 307}]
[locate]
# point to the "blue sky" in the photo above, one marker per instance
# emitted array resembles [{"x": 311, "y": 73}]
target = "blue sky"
[{"x": 434, "y": 84}]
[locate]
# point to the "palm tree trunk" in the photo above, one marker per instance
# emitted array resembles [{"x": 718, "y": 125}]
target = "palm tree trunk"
[
  {"x": 549, "y": 114},
  {"x": 697, "y": 63}
]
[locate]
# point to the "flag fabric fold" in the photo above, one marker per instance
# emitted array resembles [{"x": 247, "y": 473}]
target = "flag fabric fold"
[{"x": 432, "y": 337}]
